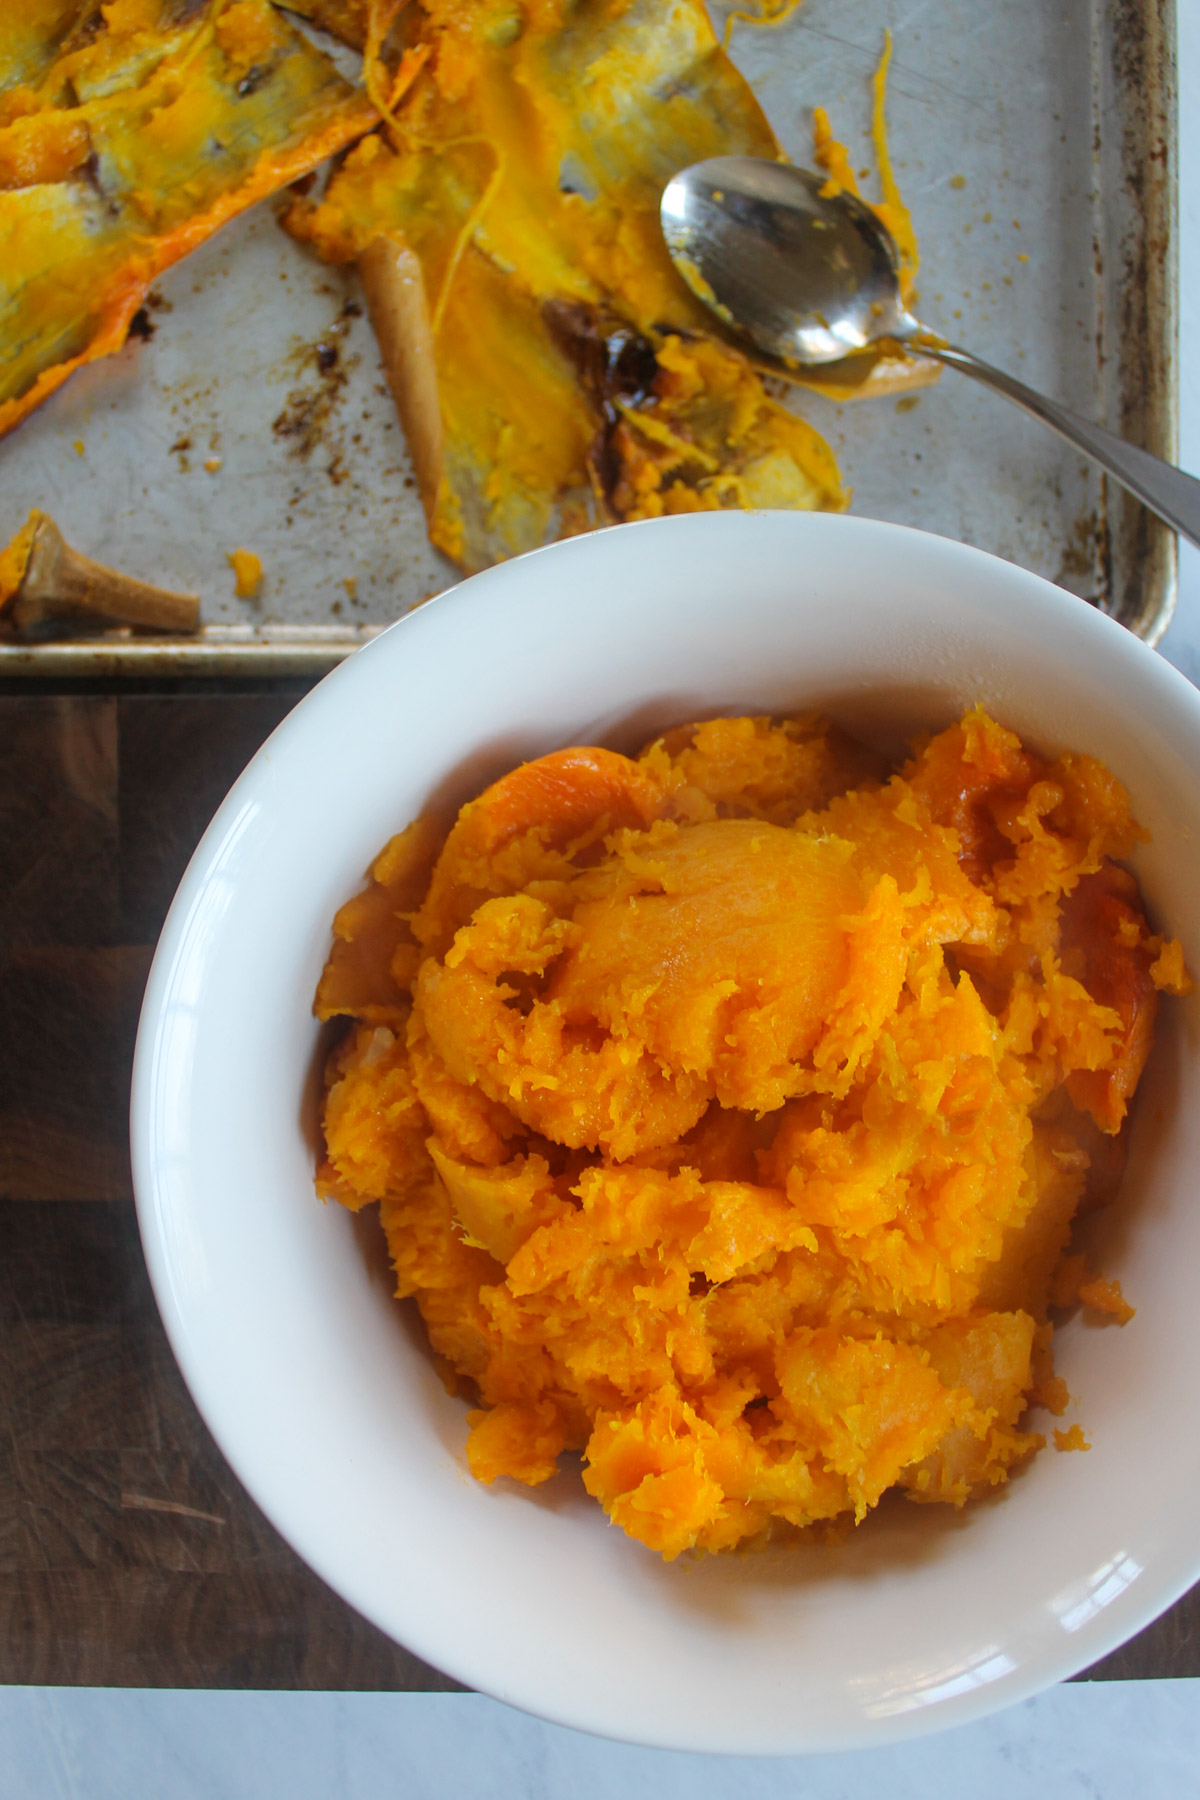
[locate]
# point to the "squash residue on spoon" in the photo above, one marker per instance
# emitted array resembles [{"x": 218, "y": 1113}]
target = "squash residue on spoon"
[{"x": 728, "y": 1109}]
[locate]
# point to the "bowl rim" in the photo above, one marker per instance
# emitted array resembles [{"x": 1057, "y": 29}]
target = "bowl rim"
[{"x": 490, "y": 587}]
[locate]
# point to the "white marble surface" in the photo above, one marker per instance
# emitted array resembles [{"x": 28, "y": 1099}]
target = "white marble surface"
[{"x": 1103, "y": 1742}]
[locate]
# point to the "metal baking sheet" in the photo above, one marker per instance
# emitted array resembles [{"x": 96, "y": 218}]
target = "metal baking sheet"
[{"x": 1035, "y": 146}]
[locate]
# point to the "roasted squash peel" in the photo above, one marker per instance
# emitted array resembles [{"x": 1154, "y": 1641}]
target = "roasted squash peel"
[
  {"x": 124, "y": 147},
  {"x": 579, "y": 380},
  {"x": 727, "y": 1109}
]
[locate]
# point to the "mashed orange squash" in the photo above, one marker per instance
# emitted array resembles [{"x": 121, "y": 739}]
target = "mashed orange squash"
[{"x": 728, "y": 1108}]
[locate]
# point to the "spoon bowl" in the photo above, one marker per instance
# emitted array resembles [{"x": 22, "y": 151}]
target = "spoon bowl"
[
  {"x": 807, "y": 274},
  {"x": 805, "y": 270}
]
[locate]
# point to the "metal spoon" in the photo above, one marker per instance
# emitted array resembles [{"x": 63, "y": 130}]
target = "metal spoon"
[{"x": 810, "y": 277}]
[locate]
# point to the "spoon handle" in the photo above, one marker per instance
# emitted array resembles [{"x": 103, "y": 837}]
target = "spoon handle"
[{"x": 1166, "y": 490}]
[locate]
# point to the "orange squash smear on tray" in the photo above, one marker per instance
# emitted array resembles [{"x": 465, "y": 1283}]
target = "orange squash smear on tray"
[{"x": 728, "y": 1109}]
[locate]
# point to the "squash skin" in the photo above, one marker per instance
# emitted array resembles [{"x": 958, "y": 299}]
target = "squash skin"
[
  {"x": 578, "y": 380},
  {"x": 129, "y": 146},
  {"x": 734, "y": 1104}
]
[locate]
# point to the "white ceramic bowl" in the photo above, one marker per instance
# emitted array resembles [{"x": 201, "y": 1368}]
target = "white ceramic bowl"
[{"x": 316, "y": 1383}]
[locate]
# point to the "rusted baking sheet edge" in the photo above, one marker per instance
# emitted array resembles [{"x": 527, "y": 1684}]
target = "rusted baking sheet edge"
[
  {"x": 1136, "y": 98},
  {"x": 225, "y": 650}
]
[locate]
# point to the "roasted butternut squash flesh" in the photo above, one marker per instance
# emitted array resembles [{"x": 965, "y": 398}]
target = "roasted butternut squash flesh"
[
  {"x": 727, "y": 1109},
  {"x": 128, "y": 134}
]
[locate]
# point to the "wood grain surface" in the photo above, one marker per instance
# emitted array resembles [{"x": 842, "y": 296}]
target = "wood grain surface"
[{"x": 129, "y": 1553}]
